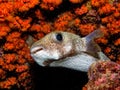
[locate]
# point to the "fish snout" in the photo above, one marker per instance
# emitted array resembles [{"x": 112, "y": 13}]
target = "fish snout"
[{"x": 36, "y": 49}]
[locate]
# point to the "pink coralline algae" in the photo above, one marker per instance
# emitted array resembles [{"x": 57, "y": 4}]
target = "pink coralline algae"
[{"x": 104, "y": 75}]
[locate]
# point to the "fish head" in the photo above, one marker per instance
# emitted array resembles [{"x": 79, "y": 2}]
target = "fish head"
[{"x": 54, "y": 46}]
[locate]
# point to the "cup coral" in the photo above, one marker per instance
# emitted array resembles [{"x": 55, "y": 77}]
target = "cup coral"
[{"x": 20, "y": 19}]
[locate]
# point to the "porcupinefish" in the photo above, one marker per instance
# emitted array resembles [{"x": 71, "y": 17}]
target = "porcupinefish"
[{"x": 64, "y": 49}]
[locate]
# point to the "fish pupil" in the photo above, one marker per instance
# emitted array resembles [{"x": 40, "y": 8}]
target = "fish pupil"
[{"x": 59, "y": 37}]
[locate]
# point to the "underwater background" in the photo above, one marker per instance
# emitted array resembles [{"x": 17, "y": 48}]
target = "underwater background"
[{"x": 20, "y": 19}]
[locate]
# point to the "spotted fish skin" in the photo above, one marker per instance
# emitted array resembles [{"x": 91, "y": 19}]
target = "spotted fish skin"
[{"x": 64, "y": 49}]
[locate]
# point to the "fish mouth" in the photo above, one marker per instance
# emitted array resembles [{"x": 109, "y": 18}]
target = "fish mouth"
[{"x": 36, "y": 49}]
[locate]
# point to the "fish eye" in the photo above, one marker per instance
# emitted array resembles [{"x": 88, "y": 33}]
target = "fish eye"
[{"x": 59, "y": 37}]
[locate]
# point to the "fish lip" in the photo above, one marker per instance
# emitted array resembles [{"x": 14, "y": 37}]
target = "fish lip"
[{"x": 36, "y": 49}]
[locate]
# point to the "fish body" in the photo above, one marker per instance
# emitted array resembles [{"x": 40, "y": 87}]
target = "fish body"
[{"x": 64, "y": 49}]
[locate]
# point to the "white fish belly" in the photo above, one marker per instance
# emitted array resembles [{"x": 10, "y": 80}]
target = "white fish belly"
[{"x": 80, "y": 62}]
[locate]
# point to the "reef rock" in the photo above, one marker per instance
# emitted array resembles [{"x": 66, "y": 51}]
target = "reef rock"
[{"x": 104, "y": 75}]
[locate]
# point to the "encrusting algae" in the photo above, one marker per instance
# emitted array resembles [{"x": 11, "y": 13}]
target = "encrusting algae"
[
  {"x": 21, "y": 18},
  {"x": 104, "y": 75}
]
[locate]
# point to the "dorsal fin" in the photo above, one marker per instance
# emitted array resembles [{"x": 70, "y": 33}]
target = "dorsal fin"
[
  {"x": 91, "y": 46},
  {"x": 29, "y": 40},
  {"x": 95, "y": 34}
]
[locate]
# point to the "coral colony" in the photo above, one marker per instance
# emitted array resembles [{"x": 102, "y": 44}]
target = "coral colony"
[{"x": 21, "y": 18}]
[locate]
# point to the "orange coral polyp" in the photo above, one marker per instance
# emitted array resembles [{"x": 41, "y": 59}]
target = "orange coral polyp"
[
  {"x": 102, "y": 40},
  {"x": 50, "y": 4},
  {"x": 9, "y": 67},
  {"x": 107, "y": 50},
  {"x": 21, "y": 68},
  {"x": 116, "y": 14},
  {"x": 63, "y": 21},
  {"x": 8, "y": 83},
  {"x": 5, "y": 11},
  {"x": 23, "y": 76},
  {"x": 106, "y": 9},
  {"x": 75, "y": 1},
  {"x": 85, "y": 29},
  {"x": 8, "y": 46},
  {"x": 43, "y": 27},
  {"x": 35, "y": 27},
  {"x": 77, "y": 22},
  {"x": 39, "y": 14},
  {"x": 21, "y": 61},
  {"x": 2, "y": 34},
  {"x": 19, "y": 44},
  {"x": 25, "y": 5},
  {"x": 4, "y": 30},
  {"x": 56, "y": 2},
  {"x": 1, "y": 61},
  {"x": 82, "y": 10},
  {"x": 98, "y": 3},
  {"x": 117, "y": 42},
  {"x": 9, "y": 58},
  {"x": 13, "y": 37},
  {"x": 2, "y": 74}
]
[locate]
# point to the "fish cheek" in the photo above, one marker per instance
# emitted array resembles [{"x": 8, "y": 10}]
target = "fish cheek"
[
  {"x": 66, "y": 51},
  {"x": 38, "y": 60},
  {"x": 36, "y": 56}
]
